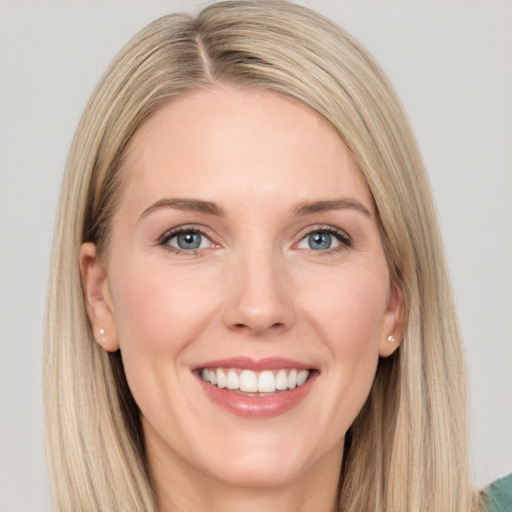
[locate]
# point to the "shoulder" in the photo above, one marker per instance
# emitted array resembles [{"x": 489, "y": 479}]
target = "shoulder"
[{"x": 498, "y": 495}]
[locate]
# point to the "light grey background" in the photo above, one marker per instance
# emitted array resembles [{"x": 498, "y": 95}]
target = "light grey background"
[{"x": 451, "y": 62}]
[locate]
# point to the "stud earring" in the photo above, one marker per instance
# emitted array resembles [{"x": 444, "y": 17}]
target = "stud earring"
[
  {"x": 391, "y": 338},
  {"x": 102, "y": 334}
]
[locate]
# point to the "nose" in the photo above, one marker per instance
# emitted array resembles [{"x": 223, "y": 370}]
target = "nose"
[{"x": 260, "y": 295}]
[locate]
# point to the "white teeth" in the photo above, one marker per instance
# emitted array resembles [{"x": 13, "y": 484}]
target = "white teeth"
[
  {"x": 281, "y": 380},
  {"x": 248, "y": 381},
  {"x": 221, "y": 379},
  {"x": 302, "y": 377},
  {"x": 292, "y": 379},
  {"x": 233, "y": 381},
  {"x": 267, "y": 381}
]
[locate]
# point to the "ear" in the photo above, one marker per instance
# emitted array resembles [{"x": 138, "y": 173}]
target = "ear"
[
  {"x": 98, "y": 300},
  {"x": 393, "y": 325}
]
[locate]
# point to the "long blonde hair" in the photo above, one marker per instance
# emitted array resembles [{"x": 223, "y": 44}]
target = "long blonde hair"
[{"x": 407, "y": 450}]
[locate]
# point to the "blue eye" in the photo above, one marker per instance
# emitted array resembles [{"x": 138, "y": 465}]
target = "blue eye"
[
  {"x": 319, "y": 241},
  {"x": 326, "y": 239},
  {"x": 186, "y": 240}
]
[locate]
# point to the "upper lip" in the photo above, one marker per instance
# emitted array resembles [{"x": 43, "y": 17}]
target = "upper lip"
[{"x": 248, "y": 363}]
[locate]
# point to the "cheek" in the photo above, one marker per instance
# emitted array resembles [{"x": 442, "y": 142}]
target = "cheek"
[
  {"x": 348, "y": 316},
  {"x": 158, "y": 313},
  {"x": 157, "y": 310},
  {"x": 349, "y": 308}
]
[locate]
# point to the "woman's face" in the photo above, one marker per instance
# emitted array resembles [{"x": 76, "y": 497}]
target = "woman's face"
[{"x": 244, "y": 255}]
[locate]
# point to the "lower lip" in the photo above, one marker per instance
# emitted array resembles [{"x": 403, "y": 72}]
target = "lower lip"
[{"x": 259, "y": 406}]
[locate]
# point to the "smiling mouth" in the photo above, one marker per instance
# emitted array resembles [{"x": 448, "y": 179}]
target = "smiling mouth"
[
  {"x": 255, "y": 383},
  {"x": 256, "y": 388}
]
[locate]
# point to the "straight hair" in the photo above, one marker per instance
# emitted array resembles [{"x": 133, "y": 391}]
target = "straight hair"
[{"x": 407, "y": 450}]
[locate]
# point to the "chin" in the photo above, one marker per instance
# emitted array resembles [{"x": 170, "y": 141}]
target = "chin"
[
  {"x": 265, "y": 460},
  {"x": 259, "y": 473}
]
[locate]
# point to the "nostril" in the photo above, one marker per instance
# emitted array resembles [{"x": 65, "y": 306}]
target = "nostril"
[{"x": 273, "y": 327}]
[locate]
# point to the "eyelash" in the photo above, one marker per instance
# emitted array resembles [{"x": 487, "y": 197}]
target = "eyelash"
[
  {"x": 168, "y": 235},
  {"x": 345, "y": 240}
]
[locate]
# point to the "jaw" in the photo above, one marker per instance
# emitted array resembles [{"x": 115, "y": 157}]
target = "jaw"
[{"x": 254, "y": 482}]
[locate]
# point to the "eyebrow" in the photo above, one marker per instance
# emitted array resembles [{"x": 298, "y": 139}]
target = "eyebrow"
[
  {"x": 210, "y": 208},
  {"x": 331, "y": 204},
  {"x": 189, "y": 205}
]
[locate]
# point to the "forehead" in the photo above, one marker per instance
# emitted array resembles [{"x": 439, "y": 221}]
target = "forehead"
[{"x": 231, "y": 143}]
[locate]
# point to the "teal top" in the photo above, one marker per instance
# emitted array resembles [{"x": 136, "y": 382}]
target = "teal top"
[{"x": 498, "y": 495}]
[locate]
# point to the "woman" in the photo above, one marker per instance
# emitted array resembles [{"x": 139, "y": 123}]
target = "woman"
[{"x": 250, "y": 306}]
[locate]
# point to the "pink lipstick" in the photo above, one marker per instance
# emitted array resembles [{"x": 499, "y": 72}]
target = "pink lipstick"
[{"x": 261, "y": 388}]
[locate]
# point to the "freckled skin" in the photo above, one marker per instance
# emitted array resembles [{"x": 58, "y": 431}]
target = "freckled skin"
[{"x": 255, "y": 288}]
